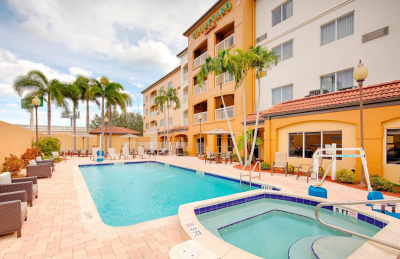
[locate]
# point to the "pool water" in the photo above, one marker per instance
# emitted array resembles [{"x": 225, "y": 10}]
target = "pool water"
[
  {"x": 132, "y": 193},
  {"x": 272, "y": 228}
]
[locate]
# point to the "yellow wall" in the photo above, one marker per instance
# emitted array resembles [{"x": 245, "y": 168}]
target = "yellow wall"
[{"x": 391, "y": 171}]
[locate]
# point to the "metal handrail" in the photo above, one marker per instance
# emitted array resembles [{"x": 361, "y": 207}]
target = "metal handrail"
[
  {"x": 243, "y": 169},
  {"x": 259, "y": 171},
  {"x": 351, "y": 232}
]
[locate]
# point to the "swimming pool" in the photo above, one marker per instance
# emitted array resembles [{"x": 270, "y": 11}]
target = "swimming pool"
[
  {"x": 130, "y": 193},
  {"x": 279, "y": 226}
]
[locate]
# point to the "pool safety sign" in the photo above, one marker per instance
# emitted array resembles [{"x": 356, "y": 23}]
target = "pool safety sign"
[
  {"x": 194, "y": 229},
  {"x": 346, "y": 211}
]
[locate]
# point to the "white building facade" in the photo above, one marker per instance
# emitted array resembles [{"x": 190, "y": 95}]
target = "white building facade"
[{"x": 321, "y": 42}]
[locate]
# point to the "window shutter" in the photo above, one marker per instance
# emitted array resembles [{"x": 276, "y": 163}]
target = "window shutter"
[
  {"x": 276, "y": 16},
  {"x": 328, "y": 33},
  {"x": 287, "y": 50},
  {"x": 345, "y": 26}
]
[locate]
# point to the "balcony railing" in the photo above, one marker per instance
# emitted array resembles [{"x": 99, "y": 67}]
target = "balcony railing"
[
  {"x": 185, "y": 78},
  {"x": 200, "y": 60},
  {"x": 226, "y": 78},
  {"x": 220, "y": 114},
  {"x": 225, "y": 44},
  {"x": 153, "y": 100},
  {"x": 185, "y": 99},
  {"x": 185, "y": 122},
  {"x": 153, "y": 113},
  {"x": 153, "y": 129},
  {"x": 196, "y": 117},
  {"x": 197, "y": 89}
]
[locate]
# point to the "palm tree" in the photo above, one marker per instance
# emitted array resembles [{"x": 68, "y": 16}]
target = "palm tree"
[
  {"x": 37, "y": 84},
  {"x": 89, "y": 92},
  {"x": 248, "y": 139},
  {"x": 217, "y": 66},
  {"x": 160, "y": 102},
  {"x": 171, "y": 97},
  {"x": 238, "y": 65},
  {"x": 261, "y": 59},
  {"x": 73, "y": 93}
]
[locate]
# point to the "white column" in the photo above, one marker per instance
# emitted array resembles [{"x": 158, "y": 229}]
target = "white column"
[
  {"x": 32, "y": 122},
  {"x": 334, "y": 162}
]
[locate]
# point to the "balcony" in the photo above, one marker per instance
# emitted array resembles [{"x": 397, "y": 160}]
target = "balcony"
[
  {"x": 185, "y": 78},
  {"x": 226, "y": 78},
  {"x": 153, "y": 100},
  {"x": 220, "y": 114},
  {"x": 225, "y": 44},
  {"x": 196, "y": 117},
  {"x": 153, "y": 129},
  {"x": 185, "y": 99},
  {"x": 153, "y": 113},
  {"x": 185, "y": 122},
  {"x": 200, "y": 60},
  {"x": 198, "y": 90}
]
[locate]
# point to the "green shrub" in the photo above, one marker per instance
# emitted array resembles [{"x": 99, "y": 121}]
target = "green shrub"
[
  {"x": 381, "y": 184},
  {"x": 48, "y": 144},
  {"x": 235, "y": 157},
  {"x": 321, "y": 172},
  {"x": 290, "y": 166},
  {"x": 12, "y": 164},
  {"x": 185, "y": 152},
  {"x": 345, "y": 176},
  {"x": 265, "y": 166},
  {"x": 205, "y": 155}
]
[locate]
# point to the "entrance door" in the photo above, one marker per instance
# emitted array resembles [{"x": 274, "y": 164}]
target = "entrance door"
[{"x": 198, "y": 146}]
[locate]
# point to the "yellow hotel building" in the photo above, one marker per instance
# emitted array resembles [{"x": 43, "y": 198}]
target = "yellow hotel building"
[{"x": 289, "y": 122}]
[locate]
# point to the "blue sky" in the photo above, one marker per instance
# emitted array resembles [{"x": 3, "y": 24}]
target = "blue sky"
[{"x": 131, "y": 42}]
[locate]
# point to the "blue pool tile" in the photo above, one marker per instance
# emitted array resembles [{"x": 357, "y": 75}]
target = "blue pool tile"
[
  {"x": 314, "y": 203},
  {"x": 293, "y": 199},
  {"x": 308, "y": 202},
  {"x": 279, "y": 197},
  {"x": 384, "y": 224},
  {"x": 300, "y": 200},
  {"x": 268, "y": 195},
  {"x": 286, "y": 198},
  {"x": 208, "y": 208},
  {"x": 370, "y": 220},
  {"x": 361, "y": 217},
  {"x": 378, "y": 223},
  {"x": 230, "y": 203},
  {"x": 328, "y": 207},
  {"x": 196, "y": 211},
  {"x": 273, "y": 196},
  {"x": 213, "y": 207},
  {"x": 202, "y": 210}
]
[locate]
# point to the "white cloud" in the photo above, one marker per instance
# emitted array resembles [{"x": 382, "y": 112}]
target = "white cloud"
[
  {"x": 137, "y": 84},
  {"x": 80, "y": 71},
  {"x": 13, "y": 105}
]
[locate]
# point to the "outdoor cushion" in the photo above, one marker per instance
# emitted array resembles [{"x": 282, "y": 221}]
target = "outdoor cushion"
[
  {"x": 38, "y": 158},
  {"x": 5, "y": 178},
  {"x": 32, "y": 162},
  {"x": 35, "y": 189},
  {"x": 24, "y": 208}
]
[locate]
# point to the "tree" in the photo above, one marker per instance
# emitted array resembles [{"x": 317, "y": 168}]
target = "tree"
[
  {"x": 217, "y": 66},
  {"x": 238, "y": 65},
  {"x": 73, "y": 93},
  {"x": 248, "y": 139},
  {"x": 160, "y": 102},
  {"x": 89, "y": 92},
  {"x": 261, "y": 59},
  {"x": 129, "y": 120},
  {"x": 171, "y": 98},
  {"x": 37, "y": 84}
]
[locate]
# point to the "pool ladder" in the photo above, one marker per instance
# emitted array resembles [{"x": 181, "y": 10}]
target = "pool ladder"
[{"x": 251, "y": 172}]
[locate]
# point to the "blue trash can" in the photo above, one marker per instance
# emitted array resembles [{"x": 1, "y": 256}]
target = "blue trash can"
[{"x": 318, "y": 192}]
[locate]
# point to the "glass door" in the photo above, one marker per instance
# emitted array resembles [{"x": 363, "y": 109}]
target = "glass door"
[{"x": 200, "y": 150}]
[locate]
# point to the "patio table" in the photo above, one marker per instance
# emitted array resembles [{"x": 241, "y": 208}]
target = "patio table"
[{"x": 218, "y": 155}]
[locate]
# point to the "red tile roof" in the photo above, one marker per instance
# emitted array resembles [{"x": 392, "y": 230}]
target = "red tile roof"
[
  {"x": 182, "y": 128},
  {"x": 372, "y": 92},
  {"x": 252, "y": 117},
  {"x": 115, "y": 130}
]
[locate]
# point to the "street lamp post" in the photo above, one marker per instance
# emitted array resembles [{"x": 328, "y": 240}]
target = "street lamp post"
[
  {"x": 200, "y": 117},
  {"x": 36, "y": 103},
  {"x": 105, "y": 142},
  {"x": 360, "y": 74}
]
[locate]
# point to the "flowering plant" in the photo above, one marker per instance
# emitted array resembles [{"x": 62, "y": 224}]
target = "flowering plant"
[{"x": 12, "y": 164}]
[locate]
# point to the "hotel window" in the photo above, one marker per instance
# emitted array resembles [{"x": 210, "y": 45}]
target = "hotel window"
[
  {"x": 337, "y": 29},
  {"x": 219, "y": 142},
  {"x": 162, "y": 89},
  {"x": 282, "y": 94},
  {"x": 162, "y": 123},
  {"x": 393, "y": 146},
  {"x": 147, "y": 126},
  {"x": 230, "y": 143},
  {"x": 147, "y": 98},
  {"x": 170, "y": 121},
  {"x": 169, "y": 85},
  {"x": 147, "y": 111},
  {"x": 304, "y": 144},
  {"x": 284, "y": 51},
  {"x": 337, "y": 81},
  {"x": 282, "y": 13}
]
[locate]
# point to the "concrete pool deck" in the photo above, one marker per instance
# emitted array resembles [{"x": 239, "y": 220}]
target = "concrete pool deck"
[{"x": 55, "y": 228}]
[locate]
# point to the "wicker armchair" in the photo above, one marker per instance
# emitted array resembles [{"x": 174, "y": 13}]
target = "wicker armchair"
[
  {"x": 83, "y": 152},
  {"x": 28, "y": 184},
  {"x": 210, "y": 156},
  {"x": 227, "y": 156},
  {"x": 40, "y": 170},
  {"x": 39, "y": 161},
  {"x": 13, "y": 212}
]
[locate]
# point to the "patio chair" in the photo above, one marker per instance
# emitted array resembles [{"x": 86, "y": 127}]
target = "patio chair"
[
  {"x": 13, "y": 211},
  {"x": 227, "y": 156},
  {"x": 140, "y": 152},
  {"x": 28, "y": 184},
  {"x": 72, "y": 152},
  {"x": 55, "y": 155},
  {"x": 179, "y": 151},
  {"x": 163, "y": 152},
  {"x": 38, "y": 170},
  {"x": 39, "y": 161},
  {"x": 210, "y": 157},
  {"x": 63, "y": 152},
  {"x": 83, "y": 152},
  {"x": 280, "y": 162},
  {"x": 125, "y": 153},
  {"x": 307, "y": 169},
  {"x": 94, "y": 153},
  {"x": 112, "y": 154}
]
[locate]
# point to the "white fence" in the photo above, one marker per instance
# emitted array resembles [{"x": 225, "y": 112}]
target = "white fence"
[
  {"x": 153, "y": 99},
  {"x": 171, "y": 146},
  {"x": 196, "y": 117},
  {"x": 153, "y": 129},
  {"x": 153, "y": 113},
  {"x": 200, "y": 60},
  {"x": 226, "y": 78},
  {"x": 220, "y": 114},
  {"x": 225, "y": 44},
  {"x": 198, "y": 90}
]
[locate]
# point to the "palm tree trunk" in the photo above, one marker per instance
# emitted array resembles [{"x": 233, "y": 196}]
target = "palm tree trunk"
[
  {"x": 168, "y": 127},
  {"x": 48, "y": 114},
  {"x": 258, "y": 114},
  {"x": 229, "y": 124},
  {"x": 87, "y": 122},
  {"x": 102, "y": 123},
  {"x": 110, "y": 126},
  {"x": 244, "y": 121},
  {"x": 164, "y": 129},
  {"x": 74, "y": 119}
]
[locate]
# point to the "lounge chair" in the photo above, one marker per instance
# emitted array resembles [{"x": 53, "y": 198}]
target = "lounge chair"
[
  {"x": 179, "y": 151},
  {"x": 38, "y": 170},
  {"x": 72, "y": 152},
  {"x": 163, "y": 152},
  {"x": 210, "y": 156},
  {"x": 83, "y": 152},
  {"x": 125, "y": 153},
  {"x": 140, "y": 152},
  {"x": 39, "y": 161},
  {"x": 280, "y": 162},
  {"x": 55, "y": 155},
  {"x": 307, "y": 169},
  {"x": 13, "y": 211},
  {"x": 28, "y": 184},
  {"x": 112, "y": 154},
  {"x": 227, "y": 156}
]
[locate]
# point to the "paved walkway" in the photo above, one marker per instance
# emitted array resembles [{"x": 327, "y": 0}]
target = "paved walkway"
[{"x": 54, "y": 228}]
